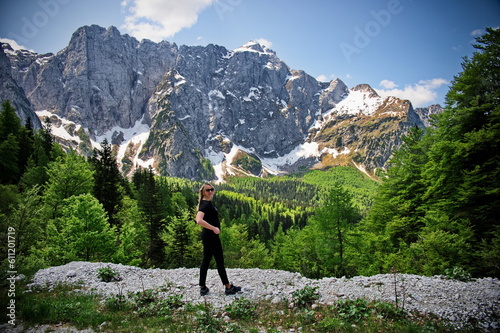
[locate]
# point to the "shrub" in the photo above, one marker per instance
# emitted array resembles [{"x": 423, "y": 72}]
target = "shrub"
[
  {"x": 305, "y": 297},
  {"x": 107, "y": 274},
  {"x": 241, "y": 308},
  {"x": 206, "y": 320},
  {"x": 458, "y": 273}
]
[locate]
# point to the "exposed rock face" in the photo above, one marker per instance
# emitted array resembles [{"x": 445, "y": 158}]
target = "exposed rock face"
[
  {"x": 365, "y": 128},
  {"x": 426, "y": 113},
  {"x": 10, "y": 90},
  {"x": 186, "y": 109}
]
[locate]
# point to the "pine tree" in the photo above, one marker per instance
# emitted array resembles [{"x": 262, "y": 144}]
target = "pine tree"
[
  {"x": 176, "y": 237},
  {"x": 26, "y": 219},
  {"x": 9, "y": 163},
  {"x": 43, "y": 151},
  {"x": 396, "y": 217},
  {"x": 47, "y": 138},
  {"x": 330, "y": 225},
  {"x": 399, "y": 205},
  {"x": 152, "y": 202},
  {"x": 133, "y": 236},
  {"x": 26, "y": 141},
  {"x": 107, "y": 180},
  {"x": 9, "y": 121},
  {"x": 463, "y": 173},
  {"x": 10, "y": 127}
]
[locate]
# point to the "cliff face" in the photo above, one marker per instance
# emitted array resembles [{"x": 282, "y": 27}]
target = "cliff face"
[
  {"x": 364, "y": 129},
  {"x": 206, "y": 112},
  {"x": 10, "y": 90}
]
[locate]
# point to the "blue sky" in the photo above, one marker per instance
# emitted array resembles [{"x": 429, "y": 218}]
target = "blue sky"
[{"x": 407, "y": 48}]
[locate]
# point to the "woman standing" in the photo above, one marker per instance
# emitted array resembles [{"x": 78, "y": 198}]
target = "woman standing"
[{"x": 208, "y": 218}]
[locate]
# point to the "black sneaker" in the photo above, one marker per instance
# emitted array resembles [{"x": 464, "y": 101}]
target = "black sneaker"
[
  {"x": 233, "y": 290},
  {"x": 204, "y": 291}
]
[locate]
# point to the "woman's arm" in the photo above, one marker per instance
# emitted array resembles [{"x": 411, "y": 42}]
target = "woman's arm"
[{"x": 205, "y": 224}]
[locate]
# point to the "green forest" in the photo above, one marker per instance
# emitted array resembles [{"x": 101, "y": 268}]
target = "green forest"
[{"x": 434, "y": 211}]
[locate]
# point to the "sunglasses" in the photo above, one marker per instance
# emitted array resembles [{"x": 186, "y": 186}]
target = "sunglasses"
[{"x": 209, "y": 189}]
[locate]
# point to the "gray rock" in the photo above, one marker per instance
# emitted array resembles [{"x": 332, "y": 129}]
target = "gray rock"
[
  {"x": 71, "y": 273},
  {"x": 480, "y": 298}
]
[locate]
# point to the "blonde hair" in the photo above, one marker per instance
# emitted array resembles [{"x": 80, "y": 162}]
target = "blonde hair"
[{"x": 200, "y": 195}]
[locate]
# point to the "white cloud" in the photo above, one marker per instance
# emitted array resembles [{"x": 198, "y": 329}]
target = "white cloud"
[
  {"x": 265, "y": 42},
  {"x": 160, "y": 19},
  {"x": 326, "y": 78},
  {"x": 476, "y": 32},
  {"x": 420, "y": 94},
  {"x": 322, "y": 78},
  {"x": 387, "y": 84}
]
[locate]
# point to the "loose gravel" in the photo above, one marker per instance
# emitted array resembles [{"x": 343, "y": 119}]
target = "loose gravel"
[{"x": 458, "y": 302}]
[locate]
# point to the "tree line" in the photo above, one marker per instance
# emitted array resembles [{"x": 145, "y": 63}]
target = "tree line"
[{"x": 435, "y": 209}]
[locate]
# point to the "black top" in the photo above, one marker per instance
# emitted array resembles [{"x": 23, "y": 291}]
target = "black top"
[{"x": 211, "y": 213}]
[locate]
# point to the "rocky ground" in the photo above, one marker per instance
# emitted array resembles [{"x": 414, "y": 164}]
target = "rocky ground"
[{"x": 456, "y": 301}]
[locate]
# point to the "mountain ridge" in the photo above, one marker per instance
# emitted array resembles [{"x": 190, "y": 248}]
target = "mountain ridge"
[{"x": 205, "y": 112}]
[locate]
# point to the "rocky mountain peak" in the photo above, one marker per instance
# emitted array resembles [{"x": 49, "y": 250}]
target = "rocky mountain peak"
[
  {"x": 366, "y": 88},
  {"x": 253, "y": 46},
  {"x": 10, "y": 90},
  {"x": 426, "y": 113},
  {"x": 202, "y": 111},
  {"x": 333, "y": 94}
]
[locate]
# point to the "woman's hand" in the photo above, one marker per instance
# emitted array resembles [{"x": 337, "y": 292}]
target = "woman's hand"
[{"x": 205, "y": 224}]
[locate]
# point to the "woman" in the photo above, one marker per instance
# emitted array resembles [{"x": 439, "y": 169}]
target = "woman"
[{"x": 208, "y": 218}]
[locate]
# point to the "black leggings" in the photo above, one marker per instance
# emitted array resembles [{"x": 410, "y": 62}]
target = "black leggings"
[{"x": 212, "y": 247}]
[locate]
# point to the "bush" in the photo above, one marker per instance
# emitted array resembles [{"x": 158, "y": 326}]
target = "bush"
[
  {"x": 305, "y": 297},
  {"x": 458, "y": 273},
  {"x": 206, "y": 320},
  {"x": 107, "y": 274},
  {"x": 116, "y": 302},
  {"x": 241, "y": 308},
  {"x": 148, "y": 303},
  {"x": 360, "y": 310}
]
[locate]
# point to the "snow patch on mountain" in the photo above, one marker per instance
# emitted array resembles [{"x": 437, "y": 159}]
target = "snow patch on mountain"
[
  {"x": 128, "y": 133},
  {"x": 305, "y": 150},
  {"x": 216, "y": 93},
  {"x": 253, "y": 46},
  {"x": 136, "y": 135},
  {"x": 223, "y": 162},
  {"x": 357, "y": 102},
  {"x": 60, "y": 126}
]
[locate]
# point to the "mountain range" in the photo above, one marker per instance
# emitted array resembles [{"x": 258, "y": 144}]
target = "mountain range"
[{"x": 202, "y": 112}]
